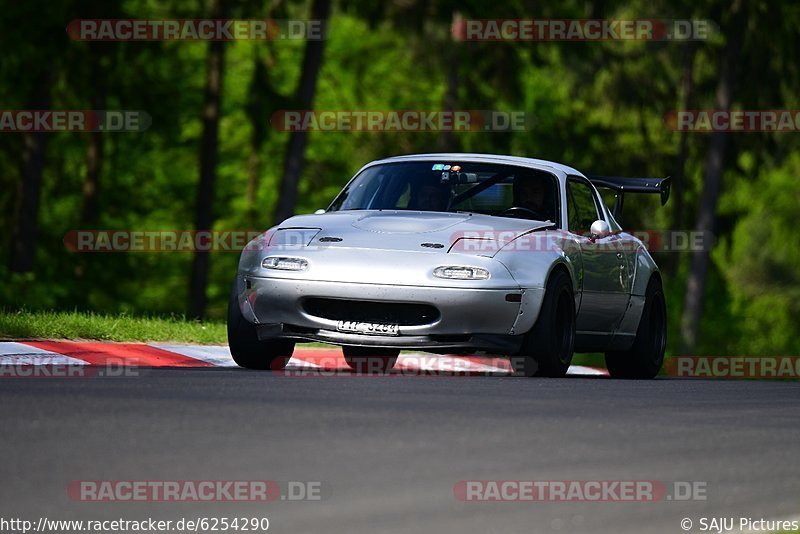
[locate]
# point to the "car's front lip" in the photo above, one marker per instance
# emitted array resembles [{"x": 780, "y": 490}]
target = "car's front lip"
[
  {"x": 276, "y": 305},
  {"x": 495, "y": 343}
]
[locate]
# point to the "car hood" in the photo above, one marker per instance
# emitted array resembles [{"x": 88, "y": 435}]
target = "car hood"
[{"x": 412, "y": 231}]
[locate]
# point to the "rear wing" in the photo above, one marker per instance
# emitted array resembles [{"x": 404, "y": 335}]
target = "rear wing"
[{"x": 620, "y": 186}]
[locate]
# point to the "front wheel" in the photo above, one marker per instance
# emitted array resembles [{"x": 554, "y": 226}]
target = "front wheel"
[
  {"x": 370, "y": 359},
  {"x": 247, "y": 350},
  {"x": 645, "y": 357},
  {"x": 547, "y": 349}
]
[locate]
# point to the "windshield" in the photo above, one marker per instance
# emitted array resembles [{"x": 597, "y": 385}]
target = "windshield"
[{"x": 504, "y": 190}]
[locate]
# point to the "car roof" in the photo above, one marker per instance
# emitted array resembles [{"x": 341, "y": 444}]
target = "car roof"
[{"x": 489, "y": 158}]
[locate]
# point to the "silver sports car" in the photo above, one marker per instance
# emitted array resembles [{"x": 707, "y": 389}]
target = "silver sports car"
[{"x": 457, "y": 253}]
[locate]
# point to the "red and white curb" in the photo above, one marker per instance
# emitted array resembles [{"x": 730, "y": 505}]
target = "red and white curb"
[{"x": 55, "y": 353}]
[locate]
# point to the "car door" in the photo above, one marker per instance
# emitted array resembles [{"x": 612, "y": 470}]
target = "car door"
[
  {"x": 627, "y": 253},
  {"x": 604, "y": 275}
]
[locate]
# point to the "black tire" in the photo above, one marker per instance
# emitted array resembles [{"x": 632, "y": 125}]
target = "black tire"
[
  {"x": 247, "y": 350},
  {"x": 547, "y": 349},
  {"x": 370, "y": 359},
  {"x": 645, "y": 357}
]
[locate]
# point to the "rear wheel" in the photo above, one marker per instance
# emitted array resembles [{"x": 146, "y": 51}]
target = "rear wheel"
[
  {"x": 547, "y": 348},
  {"x": 247, "y": 350},
  {"x": 370, "y": 359},
  {"x": 646, "y": 355}
]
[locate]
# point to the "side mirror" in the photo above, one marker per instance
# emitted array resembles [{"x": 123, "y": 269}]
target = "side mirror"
[
  {"x": 600, "y": 229},
  {"x": 319, "y": 212}
]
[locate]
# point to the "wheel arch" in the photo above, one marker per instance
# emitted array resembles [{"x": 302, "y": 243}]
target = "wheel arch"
[
  {"x": 562, "y": 266},
  {"x": 534, "y": 296},
  {"x": 645, "y": 269}
]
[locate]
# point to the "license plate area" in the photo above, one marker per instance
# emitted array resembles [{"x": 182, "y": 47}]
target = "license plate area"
[{"x": 369, "y": 329}]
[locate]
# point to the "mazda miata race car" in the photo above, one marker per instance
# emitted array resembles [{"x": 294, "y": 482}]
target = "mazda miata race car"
[{"x": 457, "y": 253}]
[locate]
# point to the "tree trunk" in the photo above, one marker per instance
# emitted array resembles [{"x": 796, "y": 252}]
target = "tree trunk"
[
  {"x": 687, "y": 89},
  {"x": 96, "y": 56},
  {"x": 448, "y": 142},
  {"x": 204, "y": 218},
  {"x": 295, "y": 152},
  {"x": 23, "y": 251},
  {"x": 94, "y": 164},
  {"x": 714, "y": 166},
  {"x": 259, "y": 87}
]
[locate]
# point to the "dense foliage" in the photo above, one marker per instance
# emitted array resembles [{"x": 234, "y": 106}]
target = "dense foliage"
[{"x": 599, "y": 106}]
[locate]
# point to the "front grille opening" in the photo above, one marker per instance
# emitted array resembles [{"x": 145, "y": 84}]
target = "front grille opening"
[{"x": 367, "y": 311}]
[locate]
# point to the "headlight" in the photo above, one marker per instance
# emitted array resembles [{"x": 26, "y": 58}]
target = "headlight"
[
  {"x": 457, "y": 272},
  {"x": 284, "y": 263}
]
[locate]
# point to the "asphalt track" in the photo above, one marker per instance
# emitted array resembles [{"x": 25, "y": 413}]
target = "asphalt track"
[{"x": 388, "y": 450}]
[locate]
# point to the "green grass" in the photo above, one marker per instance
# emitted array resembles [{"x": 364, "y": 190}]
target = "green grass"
[{"x": 86, "y": 325}]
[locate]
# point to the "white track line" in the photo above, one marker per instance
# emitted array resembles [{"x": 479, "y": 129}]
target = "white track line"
[
  {"x": 219, "y": 355},
  {"x": 13, "y": 353},
  {"x": 213, "y": 354},
  {"x": 583, "y": 370}
]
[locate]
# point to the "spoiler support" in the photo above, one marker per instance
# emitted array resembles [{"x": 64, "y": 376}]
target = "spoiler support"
[{"x": 621, "y": 185}]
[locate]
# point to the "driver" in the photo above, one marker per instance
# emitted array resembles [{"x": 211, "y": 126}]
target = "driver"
[
  {"x": 535, "y": 194},
  {"x": 430, "y": 197}
]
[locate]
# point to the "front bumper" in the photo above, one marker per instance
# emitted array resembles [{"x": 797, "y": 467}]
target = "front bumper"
[{"x": 468, "y": 318}]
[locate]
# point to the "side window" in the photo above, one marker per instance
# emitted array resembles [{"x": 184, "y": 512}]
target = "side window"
[{"x": 581, "y": 208}]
